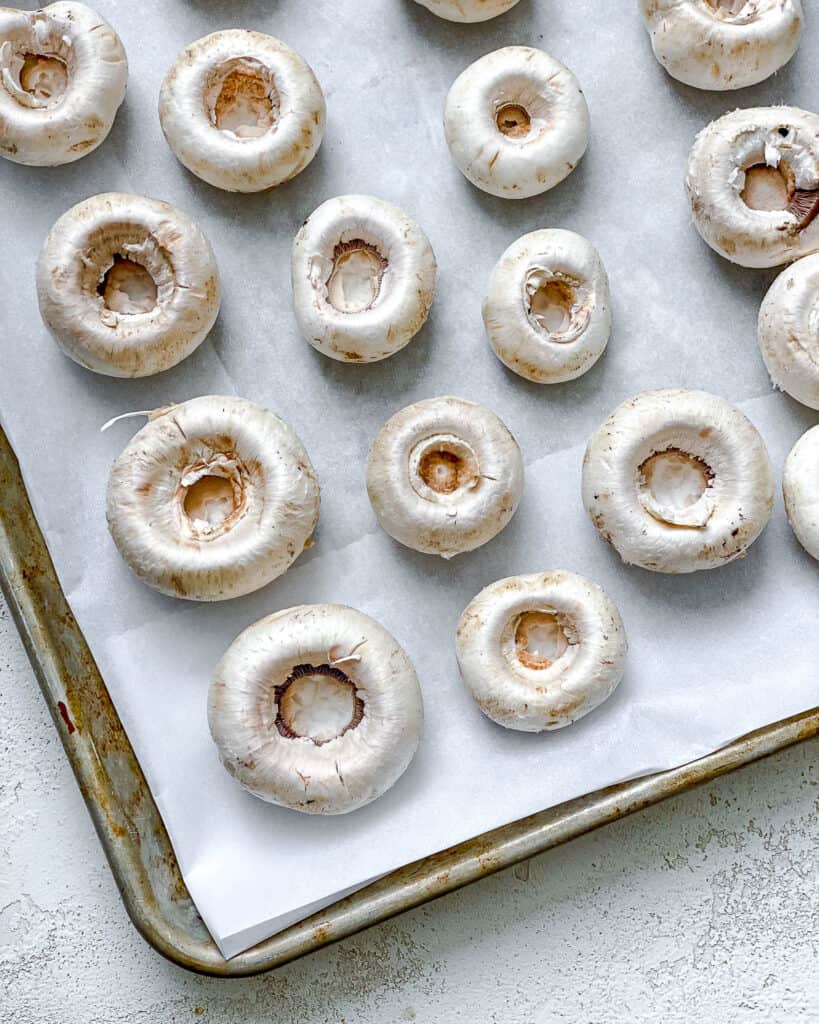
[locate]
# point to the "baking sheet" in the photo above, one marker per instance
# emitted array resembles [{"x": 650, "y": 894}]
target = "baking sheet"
[{"x": 712, "y": 656}]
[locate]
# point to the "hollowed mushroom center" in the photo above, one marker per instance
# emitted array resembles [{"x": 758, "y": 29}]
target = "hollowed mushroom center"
[
  {"x": 675, "y": 478},
  {"x": 443, "y": 465},
  {"x": 551, "y": 305},
  {"x": 766, "y": 188},
  {"x": 319, "y": 703},
  {"x": 212, "y": 495},
  {"x": 244, "y": 100},
  {"x": 44, "y": 77},
  {"x": 127, "y": 287},
  {"x": 355, "y": 280},
  {"x": 727, "y": 8},
  {"x": 540, "y": 639},
  {"x": 513, "y": 120}
]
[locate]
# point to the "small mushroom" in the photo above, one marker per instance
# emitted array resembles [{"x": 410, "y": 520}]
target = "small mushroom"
[
  {"x": 547, "y": 310},
  {"x": 800, "y": 486},
  {"x": 363, "y": 277},
  {"x": 678, "y": 480},
  {"x": 316, "y": 708},
  {"x": 444, "y": 476},
  {"x": 753, "y": 184},
  {"x": 127, "y": 285},
  {"x": 789, "y": 331},
  {"x": 212, "y": 499},
  {"x": 540, "y": 651},
  {"x": 723, "y": 44},
  {"x": 468, "y": 10},
  {"x": 242, "y": 111},
  {"x": 516, "y": 122},
  {"x": 63, "y": 73}
]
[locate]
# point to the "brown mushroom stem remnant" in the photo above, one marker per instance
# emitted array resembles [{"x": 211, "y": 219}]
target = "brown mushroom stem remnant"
[
  {"x": 355, "y": 280},
  {"x": 127, "y": 287},
  {"x": 44, "y": 76},
  {"x": 317, "y": 702},
  {"x": 444, "y": 464},
  {"x": 540, "y": 639},
  {"x": 513, "y": 120}
]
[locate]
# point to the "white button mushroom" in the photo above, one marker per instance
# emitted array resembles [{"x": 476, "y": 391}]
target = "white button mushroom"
[
  {"x": 723, "y": 44},
  {"x": 468, "y": 10},
  {"x": 540, "y": 651},
  {"x": 242, "y": 111},
  {"x": 316, "y": 708},
  {"x": 63, "y": 74},
  {"x": 753, "y": 183},
  {"x": 800, "y": 485},
  {"x": 678, "y": 480},
  {"x": 444, "y": 476},
  {"x": 547, "y": 310},
  {"x": 213, "y": 498},
  {"x": 789, "y": 331},
  {"x": 127, "y": 285},
  {"x": 516, "y": 122},
  {"x": 363, "y": 277}
]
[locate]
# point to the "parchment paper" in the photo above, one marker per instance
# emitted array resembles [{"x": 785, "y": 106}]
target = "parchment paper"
[{"x": 712, "y": 655}]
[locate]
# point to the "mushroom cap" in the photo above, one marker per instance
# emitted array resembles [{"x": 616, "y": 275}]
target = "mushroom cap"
[
  {"x": 468, "y": 10},
  {"x": 788, "y": 331},
  {"x": 706, "y": 44},
  {"x": 504, "y": 165},
  {"x": 337, "y": 775},
  {"x": 471, "y": 512},
  {"x": 275, "y": 509},
  {"x": 522, "y": 339},
  {"x": 81, "y": 248},
  {"x": 406, "y": 289},
  {"x": 784, "y": 137},
  {"x": 529, "y": 697},
  {"x": 721, "y": 524},
  {"x": 43, "y": 132},
  {"x": 800, "y": 486},
  {"x": 219, "y": 156}
]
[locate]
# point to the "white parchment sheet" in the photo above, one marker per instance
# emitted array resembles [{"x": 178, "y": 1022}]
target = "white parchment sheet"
[{"x": 712, "y": 655}]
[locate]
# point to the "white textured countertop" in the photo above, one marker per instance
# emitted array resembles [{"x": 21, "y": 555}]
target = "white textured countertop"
[{"x": 703, "y": 908}]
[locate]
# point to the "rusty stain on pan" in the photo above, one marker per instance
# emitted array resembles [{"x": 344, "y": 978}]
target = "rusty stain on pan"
[{"x": 131, "y": 830}]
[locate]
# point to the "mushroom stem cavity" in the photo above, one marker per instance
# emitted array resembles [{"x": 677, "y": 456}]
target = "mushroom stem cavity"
[
  {"x": 212, "y": 494},
  {"x": 513, "y": 120},
  {"x": 556, "y": 304},
  {"x": 731, "y": 9},
  {"x": 442, "y": 465},
  {"x": 319, "y": 703},
  {"x": 765, "y": 188},
  {"x": 44, "y": 77},
  {"x": 355, "y": 280},
  {"x": 540, "y": 639},
  {"x": 127, "y": 287},
  {"x": 241, "y": 98},
  {"x": 673, "y": 486}
]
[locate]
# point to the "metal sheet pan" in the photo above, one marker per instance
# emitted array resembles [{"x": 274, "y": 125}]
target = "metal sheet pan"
[{"x": 131, "y": 830}]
